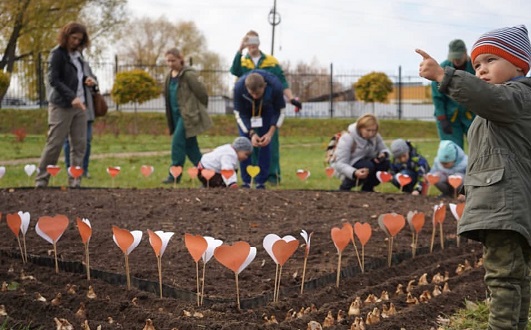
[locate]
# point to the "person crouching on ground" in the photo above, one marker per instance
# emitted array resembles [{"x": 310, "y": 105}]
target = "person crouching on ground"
[
  {"x": 450, "y": 160},
  {"x": 225, "y": 157},
  {"x": 407, "y": 161},
  {"x": 359, "y": 154}
]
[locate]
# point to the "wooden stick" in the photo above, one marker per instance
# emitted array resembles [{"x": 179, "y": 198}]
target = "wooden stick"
[
  {"x": 159, "y": 266},
  {"x": 275, "y": 287},
  {"x": 197, "y": 282},
  {"x": 390, "y": 250},
  {"x": 363, "y": 258},
  {"x": 237, "y": 292},
  {"x": 278, "y": 285},
  {"x": 203, "y": 284},
  {"x": 303, "y": 273},
  {"x": 338, "y": 270},
  {"x": 21, "y": 253},
  {"x": 432, "y": 238},
  {"x": 441, "y": 233},
  {"x": 357, "y": 254},
  {"x": 56, "y": 262},
  {"x": 127, "y": 272},
  {"x": 25, "y": 251},
  {"x": 87, "y": 261},
  {"x": 413, "y": 244}
]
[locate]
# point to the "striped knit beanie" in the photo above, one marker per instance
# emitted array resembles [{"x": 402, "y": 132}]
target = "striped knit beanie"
[{"x": 510, "y": 43}]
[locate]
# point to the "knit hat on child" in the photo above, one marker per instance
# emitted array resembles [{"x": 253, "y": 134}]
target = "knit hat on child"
[
  {"x": 242, "y": 144},
  {"x": 447, "y": 152},
  {"x": 509, "y": 43},
  {"x": 399, "y": 147}
]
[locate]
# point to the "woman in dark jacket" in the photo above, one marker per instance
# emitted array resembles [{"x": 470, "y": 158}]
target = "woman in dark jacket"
[{"x": 67, "y": 101}]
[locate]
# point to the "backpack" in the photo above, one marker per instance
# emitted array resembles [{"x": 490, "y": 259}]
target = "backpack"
[{"x": 330, "y": 156}]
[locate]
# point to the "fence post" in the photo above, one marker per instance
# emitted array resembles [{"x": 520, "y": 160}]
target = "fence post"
[
  {"x": 40, "y": 80},
  {"x": 399, "y": 94},
  {"x": 331, "y": 90},
  {"x": 115, "y": 73}
]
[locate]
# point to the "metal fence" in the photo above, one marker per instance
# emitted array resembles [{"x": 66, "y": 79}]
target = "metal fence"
[{"x": 323, "y": 95}]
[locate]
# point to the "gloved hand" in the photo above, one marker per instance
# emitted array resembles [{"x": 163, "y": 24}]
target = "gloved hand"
[
  {"x": 446, "y": 125},
  {"x": 296, "y": 103}
]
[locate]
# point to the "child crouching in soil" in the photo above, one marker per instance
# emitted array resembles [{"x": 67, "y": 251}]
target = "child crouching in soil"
[
  {"x": 406, "y": 160},
  {"x": 497, "y": 181},
  {"x": 225, "y": 157}
]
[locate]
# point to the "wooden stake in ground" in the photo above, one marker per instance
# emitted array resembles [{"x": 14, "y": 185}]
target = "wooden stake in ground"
[
  {"x": 439, "y": 213},
  {"x": 175, "y": 172},
  {"x": 253, "y": 171},
  {"x": 391, "y": 224},
  {"x": 14, "y": 223},
  {"x": 51, "y": 229},
  {"x": 364, "y": 232},
  {"x": 85, "y": 231},
  {"x": 209, "y": 253},
  {"x": 416, "y": 221},
  {"x": 432, "y": 180},
  {"x": 455, "y": 181},
  {"x": 159, "y": 242},
  {"x": 307, "y": 239},
  {"x": 384, "y": 176},
  {"x": 196, "y": 245},
  {"x": 341, "y": 238},
  {"x": 127, "y": 241},
  {"x": 113, "y": 172},
  {"x": 403, "y": 180},
  {"x": 236, "y": 258}
]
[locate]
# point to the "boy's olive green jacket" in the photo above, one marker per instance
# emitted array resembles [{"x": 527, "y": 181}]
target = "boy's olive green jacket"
[
  {"x": 498, "y": 177},
  {"x": 192, "y": 98}
]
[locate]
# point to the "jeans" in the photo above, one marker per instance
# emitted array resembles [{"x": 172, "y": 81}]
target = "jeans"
[{"x": 86, "y": 158}]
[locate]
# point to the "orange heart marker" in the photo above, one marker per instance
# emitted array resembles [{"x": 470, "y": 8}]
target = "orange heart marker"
[
  {"x": 75, "y": 171},
  {"x": 53, "y": 169},
  {"x": 51, "y": 229},
  {"x": 457, "y": 211},
  {"x": 416, "y": 221},
  {"x": 233, "y": 256},
  {"x": 403, "y": 180},
  {"x": 303, "y": 174},
  {"x": 439, "y": 214},
  {"x": 329, "y": 171},
  {"x": 284, "y": 250},
  {"x": 123, "y": 237},
  {"x": 192, "y": 172},
  {"x": 113, "y": 171},
  {"x": 155, "y": 241},
  {"x": 432, "y": 178},
  {"x": 196, "y": 245},
  {"x": 146, "y": 170},
  {"x": 207, "y": 174},
  {"x": 363, "y": 232},
  {"x": 384, "y": 176},
  {"x": 85, "y": 231},
  {"x": 176, "y": 171},
  {"x": 227, "y": 173},
  {"x": 455, "y": 181},
  {"x": 341, "y": 238},
  {"x": 14, "y": 223},
  {"x": 392, "y": 224},
  {"x": 159, "y": 241}
]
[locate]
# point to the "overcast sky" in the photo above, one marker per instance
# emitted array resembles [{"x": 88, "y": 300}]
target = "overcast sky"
[{"x": 356, "y": 36}]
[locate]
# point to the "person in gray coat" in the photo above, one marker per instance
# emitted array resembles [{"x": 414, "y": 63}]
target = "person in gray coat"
[
  {"x": 359, "y": 154},
  {"x": 497, "y": 181}
]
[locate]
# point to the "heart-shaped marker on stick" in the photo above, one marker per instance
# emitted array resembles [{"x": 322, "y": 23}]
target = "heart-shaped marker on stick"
[
  {"x": 416, "y": 221},
  {"x": 391, "y": 224},
  {"x": 253, "y": 171},
  {"x": 329, "y": 171},
  {"x": 85, "y": 231},
  {"x": 14, "y": 222},
  {"x": 146, "y": 170},
  {"x": 192, "y": 172},
  {"x": 403, "y": 180},
  {"x": 227, "y": 174},
  {"x": 75, "y": 171},
  {"x": 113, "y": 172},
  {"x": 303, "y": 174},
  {"x": 432, "y": 179},
  {"x": 196, "y": 245},
  {"x": 159, "y": 241},
  {"x": 176, "y": 171},
  {"x": 235, "y": 257},
  {"x": 457, "y": 211},
  {"x": 455, "y": 181},
  {"x": 207, "y": 174},
  {"x": 53, "y": 170},
  {"x": 25, "y": 221},
  {"x": 51, "y": 229},
  {"x": 341, "y": 238},
  {"x": 127, "y": 241},
  {"x": 283, "y": 250},
  {"x": 2, "y": 171},
  {"x": 268, "y": 242},
  {"x": 30, "y": 169},
  {"x": 363, "y": 232},
  {"x": 439, "y": 214},
  {"x": 384, "y": 176}
]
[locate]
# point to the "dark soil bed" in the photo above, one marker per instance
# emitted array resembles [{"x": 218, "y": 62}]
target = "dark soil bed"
[{"x": 231, "y": 216}]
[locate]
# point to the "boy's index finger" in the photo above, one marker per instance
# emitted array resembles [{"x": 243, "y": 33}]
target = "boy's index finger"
[{"x": 422, "y": 53}]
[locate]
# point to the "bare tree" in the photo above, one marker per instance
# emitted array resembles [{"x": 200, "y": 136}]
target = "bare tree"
[{"x": 309, "y": 81}]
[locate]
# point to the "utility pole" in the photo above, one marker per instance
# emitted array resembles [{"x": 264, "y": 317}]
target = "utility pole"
[{"x": 274, "y": 20}]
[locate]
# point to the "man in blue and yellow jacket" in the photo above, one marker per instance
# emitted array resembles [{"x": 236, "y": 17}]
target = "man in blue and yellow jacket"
[
  {"x": 256, "y": 59},
  {"x": 452, "y": 118}
]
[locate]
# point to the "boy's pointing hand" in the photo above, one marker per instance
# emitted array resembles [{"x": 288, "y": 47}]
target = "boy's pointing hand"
[{"x": 429, "y": 68}]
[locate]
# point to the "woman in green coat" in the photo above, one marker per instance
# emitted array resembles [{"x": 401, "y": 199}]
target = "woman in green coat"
[{"x": 186, "y": 101}]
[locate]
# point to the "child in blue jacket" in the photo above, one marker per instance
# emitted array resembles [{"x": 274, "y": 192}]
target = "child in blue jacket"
[
  {"x": 450, "y": 160},
  {"x": 406, "y": 160}
]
